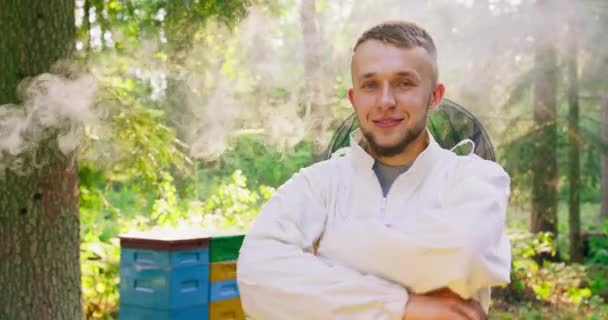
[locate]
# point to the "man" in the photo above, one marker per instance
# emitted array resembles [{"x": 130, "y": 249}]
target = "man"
[{"x": 393, "y": 227}]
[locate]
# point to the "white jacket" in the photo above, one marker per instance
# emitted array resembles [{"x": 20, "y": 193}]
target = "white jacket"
[{"x": 329, "y": 246}]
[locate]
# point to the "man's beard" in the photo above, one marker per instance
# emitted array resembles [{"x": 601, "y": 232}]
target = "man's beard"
[{"x": 395, "y": 149}]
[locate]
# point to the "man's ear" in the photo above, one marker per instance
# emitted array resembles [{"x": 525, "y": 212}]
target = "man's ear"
[
  {"x": 351, "y": 97},
  {"x": 437, "y": 96}
]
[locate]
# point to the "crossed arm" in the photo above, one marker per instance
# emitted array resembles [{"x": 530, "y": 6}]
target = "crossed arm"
[{"x": 281, "y": 278}]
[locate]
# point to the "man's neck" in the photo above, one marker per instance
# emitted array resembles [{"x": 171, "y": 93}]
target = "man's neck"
[{"x": 409, "y": 154}]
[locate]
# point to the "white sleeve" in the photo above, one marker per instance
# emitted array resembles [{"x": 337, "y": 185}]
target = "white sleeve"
[
  {"x": 460, "y": 244},
  {"x": 280, "y": 278},
  {"x": 465, "y": 236},
  {"x": 476, "y": 205}
]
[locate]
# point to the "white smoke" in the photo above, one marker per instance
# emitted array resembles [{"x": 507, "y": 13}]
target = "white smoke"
[
  {"x": 51, "y": 105},
  {"x": 480, "y": 43},
  {"x": 217, "y": 121},
  {"x": 251, "y": 78}
]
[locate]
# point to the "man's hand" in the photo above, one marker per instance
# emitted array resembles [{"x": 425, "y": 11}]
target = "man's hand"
[{"x": 442, "y": 305}]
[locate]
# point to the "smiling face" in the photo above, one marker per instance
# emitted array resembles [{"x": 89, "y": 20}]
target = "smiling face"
[{"x": 393, "y": 91}]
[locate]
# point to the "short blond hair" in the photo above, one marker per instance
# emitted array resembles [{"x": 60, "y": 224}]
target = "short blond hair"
[{"x": 402, "y": 34}]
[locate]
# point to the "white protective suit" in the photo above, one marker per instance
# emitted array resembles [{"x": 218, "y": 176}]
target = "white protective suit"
[{"x": 329, "y": 246}]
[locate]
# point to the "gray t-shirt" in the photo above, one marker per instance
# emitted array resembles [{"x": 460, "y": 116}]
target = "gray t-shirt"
[{"x": 388, "y": 174}]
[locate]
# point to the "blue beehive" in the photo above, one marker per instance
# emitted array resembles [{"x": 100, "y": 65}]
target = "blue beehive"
[
  {"x": 222, "y": 290},
  {"x": 164, "y": 276},
  {"x": 137, "y": 313}
]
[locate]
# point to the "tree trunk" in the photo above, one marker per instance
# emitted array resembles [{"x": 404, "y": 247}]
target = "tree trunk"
[
  {"x": 544, "y": 189},
  {"x": 604, "y": 157},
  {"x": 313, "y": 95},
  {"x": 312, "y": 49},
  {"x": 574, "y": 139},
  {"x": 39, "y": 226},
  {"x": 87, "y": 26}
]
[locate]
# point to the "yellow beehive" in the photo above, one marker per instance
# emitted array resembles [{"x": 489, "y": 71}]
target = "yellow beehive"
[
  {"x": 229, "y": 309},
  {"x": 220, "y": 271}
]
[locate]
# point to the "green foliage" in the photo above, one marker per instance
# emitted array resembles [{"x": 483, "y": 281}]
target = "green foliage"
[
  {"x": 598, "y": 245},
  {"x": 589, "y": 217},
  {"x": 141, "y": 19},
  {"x": 598, "y": 280},
  {"x": 518, "y": 154},
  {"x": 598, "y": 250},
  {"x": 565, "y": 290},
  {"x": 125, "y": 197},
  {"x": 597, "y": 259},
  {"x": 128, "y": 168},
  {"x": 138, "y": 176},
  {"x": 261, "y": 163},
  {"x": 232, "y": 206},
  {"x": 526, "y": 245},
  {"x": 100, "y": 278}
]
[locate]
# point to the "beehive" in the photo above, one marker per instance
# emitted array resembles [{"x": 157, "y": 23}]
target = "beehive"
[
  {"x": 224, "y": 301},
  {"x": 179, "y": 276},
  {"x": 164, "y": 276}
]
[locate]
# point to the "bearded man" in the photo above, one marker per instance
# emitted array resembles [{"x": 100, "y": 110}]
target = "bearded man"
[{"x": 392, "y": 227}]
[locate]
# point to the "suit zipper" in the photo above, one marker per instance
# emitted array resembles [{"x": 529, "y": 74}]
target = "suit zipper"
[
  {"x": 384, "y": 199},
  {"x": 383, "y": 204}
]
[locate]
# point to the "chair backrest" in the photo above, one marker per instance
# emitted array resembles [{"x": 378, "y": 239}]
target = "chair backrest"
[{"x": 450, "y": 124}]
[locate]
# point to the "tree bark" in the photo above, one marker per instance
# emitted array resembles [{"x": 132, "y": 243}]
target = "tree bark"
[
  {"x": 39, "y": 224},
  {"x": 574, "y": 139},
  {"x": 544, "y": 189}
]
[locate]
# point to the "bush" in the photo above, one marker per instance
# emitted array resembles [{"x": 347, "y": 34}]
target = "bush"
[
  {"x": 553, "y": 290},
  {"x": 232, "y": 206}
]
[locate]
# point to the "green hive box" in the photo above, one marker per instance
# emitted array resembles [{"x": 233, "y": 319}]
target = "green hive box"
[{"x": 225, "y": 247}]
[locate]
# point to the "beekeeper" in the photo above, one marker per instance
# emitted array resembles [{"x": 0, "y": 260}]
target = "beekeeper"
[{"x": 392, "y": 227}]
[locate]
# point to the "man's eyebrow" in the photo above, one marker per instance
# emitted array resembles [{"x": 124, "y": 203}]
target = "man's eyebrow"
[
  {"x": 399, "y": 73},
  {"x": 408, "y": 74},
  {"x": 368, "y": 75}
]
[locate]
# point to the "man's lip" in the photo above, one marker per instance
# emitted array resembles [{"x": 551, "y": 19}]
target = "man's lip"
[{"x": 387, "y": 123}]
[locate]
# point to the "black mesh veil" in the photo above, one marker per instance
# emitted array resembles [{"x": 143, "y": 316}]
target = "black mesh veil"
[{"x": 450, "y": 124}]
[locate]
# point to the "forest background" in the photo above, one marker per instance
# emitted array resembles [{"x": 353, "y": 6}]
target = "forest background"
[{"x": 122, "y": 115}]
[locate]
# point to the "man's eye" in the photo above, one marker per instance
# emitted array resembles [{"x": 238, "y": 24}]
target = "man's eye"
[
  {"x": 405, "y": 84},
  {"x": 369, "y": 85}
]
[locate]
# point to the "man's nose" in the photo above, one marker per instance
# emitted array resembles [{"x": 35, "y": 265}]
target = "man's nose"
[{"x": 387, "y": 97}]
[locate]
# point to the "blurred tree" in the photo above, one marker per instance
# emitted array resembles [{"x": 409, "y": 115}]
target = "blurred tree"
[
  {"x": 574, "y": 139},
  {"x": 595, "y": 85},
  {"x": 604, "y": 173},
  {"x": 545, "y": 179},
  {"x": 39, "y": 223},
  {"x": 313, "y": 75},
  {"x": 604, "y": 159},
  {"x": 602, "y": 57}
]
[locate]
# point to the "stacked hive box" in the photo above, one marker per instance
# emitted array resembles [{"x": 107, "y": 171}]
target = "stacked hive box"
[
  {"x": 179, "y": 277},
  {"x": 224, "y": 301},
  {"x": 164, "y": 277}
]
